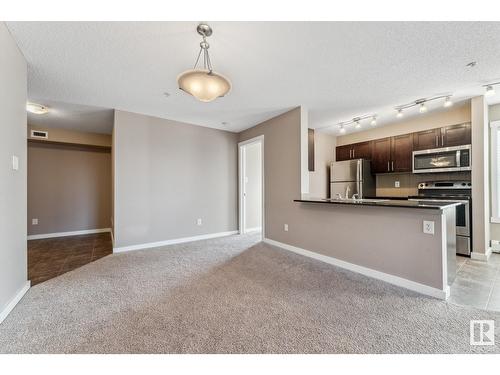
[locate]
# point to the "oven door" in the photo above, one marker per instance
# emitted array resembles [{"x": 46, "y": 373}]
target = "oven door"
[{"x": 447, "y": 159}]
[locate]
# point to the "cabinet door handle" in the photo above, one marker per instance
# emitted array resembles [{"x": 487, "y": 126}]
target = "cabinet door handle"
[
  {"x": 437, "y": 141},
  {"x": 388, "y": 169},
  {"x": 353, "y": 153},
  {"x": 350, "y": 154},
  {"x": 442, "y": 139},
  {"x": 392, "y": 163}
]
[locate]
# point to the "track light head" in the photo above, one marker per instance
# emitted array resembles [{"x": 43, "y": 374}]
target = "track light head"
[{"x": 490, "y": 91}]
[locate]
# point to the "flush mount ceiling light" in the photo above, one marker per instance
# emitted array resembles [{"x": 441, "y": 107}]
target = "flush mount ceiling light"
[
  {"x": 421, "y": 104},
  {"x": 490, "y": 90},
  {"x": 37, "y": 109},
  {"x": 204, "y": 84}
]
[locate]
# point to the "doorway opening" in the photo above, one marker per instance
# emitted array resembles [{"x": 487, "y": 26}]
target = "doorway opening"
[{"x": 251, "y": 186}]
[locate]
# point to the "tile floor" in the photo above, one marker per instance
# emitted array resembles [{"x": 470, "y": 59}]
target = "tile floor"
[
  {"x": 51, "y": 257},
  {"x": 477, "y": 283}
]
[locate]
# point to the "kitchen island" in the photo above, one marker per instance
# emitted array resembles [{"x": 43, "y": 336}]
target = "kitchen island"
[{"x": 383, "y": 239}]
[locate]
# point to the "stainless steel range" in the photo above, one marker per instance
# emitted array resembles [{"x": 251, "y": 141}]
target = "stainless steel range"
[{"x": 452, "y": 191}]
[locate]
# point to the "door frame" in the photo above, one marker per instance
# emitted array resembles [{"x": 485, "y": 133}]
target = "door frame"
[{"x": 241, "y": 183}]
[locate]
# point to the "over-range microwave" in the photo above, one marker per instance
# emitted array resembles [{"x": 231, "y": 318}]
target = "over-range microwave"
[{"x": 446, "y": 159}]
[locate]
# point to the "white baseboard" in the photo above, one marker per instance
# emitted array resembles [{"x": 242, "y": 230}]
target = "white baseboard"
[
  {"x": 172, "y": 242},
  {"x": 396, "y": 280},
  {"x": 495, "y": 246},
  {"x": 65, "y": 234},
  {"x": 256, "y": 229},
  {"x": 480, "y": 256},
  {"x": 10, "y": 306}
]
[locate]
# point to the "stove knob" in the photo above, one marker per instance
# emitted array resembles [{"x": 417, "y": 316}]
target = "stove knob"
[
  {"x": 468, "y": 184},
  {"x": 463, "y": 183}
]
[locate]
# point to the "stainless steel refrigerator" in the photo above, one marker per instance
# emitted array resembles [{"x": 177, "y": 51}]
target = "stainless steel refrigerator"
[{"x": 353, "y": 175}]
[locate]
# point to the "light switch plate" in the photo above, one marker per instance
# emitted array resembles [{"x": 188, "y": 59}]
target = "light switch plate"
[
  {"x": 396, "y": 184},
  {"x": 34, "y": 221},
  {"x": 428, "y": 227},
  {"x": 15, "y": 163},
  {"x": 199, "y": 222},
  {"x": 285, "y": 227}
]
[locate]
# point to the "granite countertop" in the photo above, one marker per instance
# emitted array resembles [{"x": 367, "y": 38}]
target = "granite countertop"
[{"x": 383, "y": 202}]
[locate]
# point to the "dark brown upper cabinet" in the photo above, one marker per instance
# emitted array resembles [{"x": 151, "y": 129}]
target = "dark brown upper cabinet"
[
  {"x": 361, "y": 150},
  {"x": 448, "y": 136},
  {"x": 394, "y": 154},
  {"x": 455, "y": 135},
  {"x": 426, "y": 139},
  {"x": 310, "y": 149},
  {"x": 343, "y": 152},
  {"x": 401, "y": 153},
  {"x": 381, "y": 156}
]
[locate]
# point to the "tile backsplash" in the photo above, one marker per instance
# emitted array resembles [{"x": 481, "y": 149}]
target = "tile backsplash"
[{"x": 408, "y": 182}]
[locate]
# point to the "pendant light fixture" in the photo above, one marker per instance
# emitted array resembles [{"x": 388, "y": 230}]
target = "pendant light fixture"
[{"x": 204, "y": 84}]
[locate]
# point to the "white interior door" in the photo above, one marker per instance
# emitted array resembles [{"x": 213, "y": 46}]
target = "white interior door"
[{"x": 251, "y": 185}]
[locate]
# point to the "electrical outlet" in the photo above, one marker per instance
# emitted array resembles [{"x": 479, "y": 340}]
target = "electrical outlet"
[
  {"x": 397, "y": 184},
  {"x": 428, "y": 227},
  {"x": 199, "y": 222},
  {"x": 34, "y": 221},
  {"x": 285, "y": 227}
]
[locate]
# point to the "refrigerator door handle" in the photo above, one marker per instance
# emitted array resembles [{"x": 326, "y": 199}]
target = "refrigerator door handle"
[{"x": 359, "y": 172}]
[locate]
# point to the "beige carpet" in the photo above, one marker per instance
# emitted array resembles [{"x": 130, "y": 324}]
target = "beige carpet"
[{"x": 230, "y": 295}]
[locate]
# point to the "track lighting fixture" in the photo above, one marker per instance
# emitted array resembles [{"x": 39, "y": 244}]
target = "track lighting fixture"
[
  {"x": 421, "y": 103},
  {"x": 373, "y": 122},
  {"x": 358, "y": 125},
  {"x": 342, "y": 129}
]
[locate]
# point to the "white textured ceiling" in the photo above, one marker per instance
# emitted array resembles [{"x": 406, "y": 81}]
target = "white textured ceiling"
[
  {"x": 73, "y": 116},
  {"x": 336, "y": 69}
]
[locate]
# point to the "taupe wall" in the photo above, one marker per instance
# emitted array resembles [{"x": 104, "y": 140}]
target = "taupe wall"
[
  {"x": 253, "y": 186},
  {"x": 169, "y": 174},
  {"x": 13, "y": 78},
  {"x": 324, "y": 154},
  {"x": 355, "y": 234},
  {"x": 458, "y": 114},
  {"x": 480, "y": 175},
  {"x": 494, "y": 115},
  {"x": 69, "y": 188}
]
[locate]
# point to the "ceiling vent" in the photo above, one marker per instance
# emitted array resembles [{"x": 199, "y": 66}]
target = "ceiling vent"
[{"x": 39, "y": 134}]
